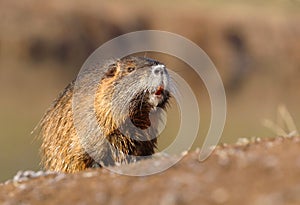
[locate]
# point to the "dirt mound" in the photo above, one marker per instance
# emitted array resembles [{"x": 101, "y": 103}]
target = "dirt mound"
[{"x": 256, "y": 172}]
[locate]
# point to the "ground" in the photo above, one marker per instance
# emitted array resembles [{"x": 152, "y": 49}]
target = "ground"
[{"x": 252, "y": 171}]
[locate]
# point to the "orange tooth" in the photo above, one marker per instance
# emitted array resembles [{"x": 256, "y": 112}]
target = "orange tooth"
[{"x": 159, "y": 90}]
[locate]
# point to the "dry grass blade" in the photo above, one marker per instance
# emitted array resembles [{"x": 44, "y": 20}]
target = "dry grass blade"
[{"x": 285, "y": 125}]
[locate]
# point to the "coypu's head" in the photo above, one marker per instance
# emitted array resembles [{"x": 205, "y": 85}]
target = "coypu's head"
[{"x": 131, "y": 88}]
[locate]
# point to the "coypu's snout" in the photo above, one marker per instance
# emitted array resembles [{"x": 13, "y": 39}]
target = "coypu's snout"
[
  {"x": 160, "y": 94},
  {"x": 159, "y": 70}
]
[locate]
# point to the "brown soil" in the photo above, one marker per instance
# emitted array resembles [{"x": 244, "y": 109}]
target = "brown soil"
[{"x": 257, "y": 172}]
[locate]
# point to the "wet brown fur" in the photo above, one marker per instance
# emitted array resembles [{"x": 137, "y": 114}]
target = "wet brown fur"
[{"x": 61, "y": 150}]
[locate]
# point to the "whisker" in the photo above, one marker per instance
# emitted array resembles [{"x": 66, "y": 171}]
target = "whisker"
[{"x": 174, "y": 87}]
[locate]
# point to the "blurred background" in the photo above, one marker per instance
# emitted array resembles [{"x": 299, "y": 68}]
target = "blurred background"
[{"x": 254, "y": 44}]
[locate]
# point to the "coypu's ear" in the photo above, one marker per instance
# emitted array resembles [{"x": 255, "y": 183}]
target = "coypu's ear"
[{"x": 111, "y": 71}]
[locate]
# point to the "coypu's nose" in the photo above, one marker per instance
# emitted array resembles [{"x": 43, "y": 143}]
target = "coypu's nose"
[{"x": 158, "y": 70}]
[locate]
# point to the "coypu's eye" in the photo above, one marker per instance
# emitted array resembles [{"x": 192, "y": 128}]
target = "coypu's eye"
[
  {"x": 130, "y": 69},
  {"x": 111, "y": 72}
]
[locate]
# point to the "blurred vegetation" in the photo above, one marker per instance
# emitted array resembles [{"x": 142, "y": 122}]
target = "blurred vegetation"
[{"x": 254, "y": 44}]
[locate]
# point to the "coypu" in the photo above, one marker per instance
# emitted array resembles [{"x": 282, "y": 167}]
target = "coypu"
[{"x": 138, "y": 84}]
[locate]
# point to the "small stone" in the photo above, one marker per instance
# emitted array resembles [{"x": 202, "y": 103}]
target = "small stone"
[
  {"x": 242, "y": 141},
  {"x": 29, "y": 174},
  {"x": 60, "y": 177},
  {"x": 89, "y": 174},
  {"x": 184, "y": 153},
  {"x": 197, "y": 150},
  {"x": 223, "y": 157},
  {"x": 257, "y": 139}
]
